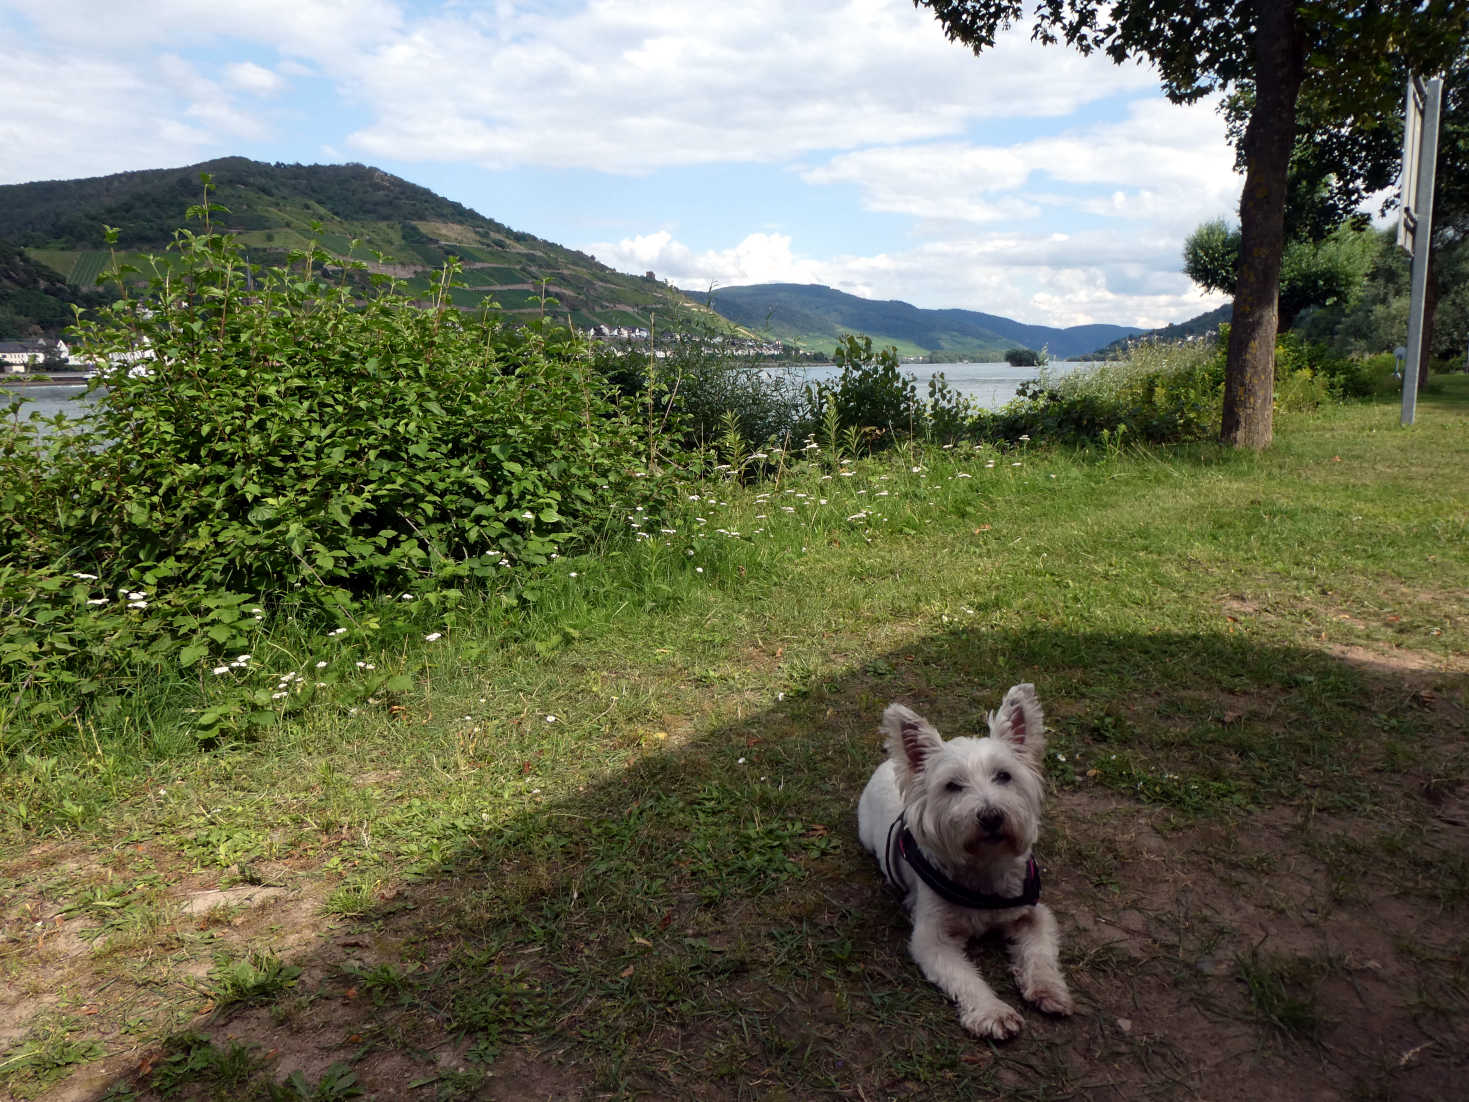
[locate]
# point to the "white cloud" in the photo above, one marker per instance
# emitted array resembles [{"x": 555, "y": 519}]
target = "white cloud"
[
  {"x": 1072, "y": 282},
  {"x": 619, "y": 85},
  {"x": 758, "y": 258},
  {"x": 631, "y": 85},
  {"x": 1084, "y": 226},
  {"x": 206, "y": 101},
  {"x": 1163, "y": 163},
  {"x": 308, "y": 28},
  {"x": 249, "y": 77},
  {"x": 89, "y": 124},
  {"x": 938, "y": 181}
]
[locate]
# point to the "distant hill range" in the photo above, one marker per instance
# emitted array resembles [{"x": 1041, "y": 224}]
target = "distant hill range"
[
  {"x": 54, "y": 229},
  {"x": 816, "y": 317},
  {"x": 51, "y": 252},
  {"x": 1201, "y": 326}
]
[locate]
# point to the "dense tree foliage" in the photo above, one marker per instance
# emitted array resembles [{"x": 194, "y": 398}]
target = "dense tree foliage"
[
  {"x": 1375, "y": 318},
  {"x": 1312, "y": 273},
  {"x": 1333, "y": 47}
]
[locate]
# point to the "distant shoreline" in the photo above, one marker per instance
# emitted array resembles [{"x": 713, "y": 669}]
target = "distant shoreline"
[{"x": 59, "y": 379}]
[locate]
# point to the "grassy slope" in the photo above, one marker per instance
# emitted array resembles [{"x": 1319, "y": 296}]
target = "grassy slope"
[{"x": 627, "y": 864}]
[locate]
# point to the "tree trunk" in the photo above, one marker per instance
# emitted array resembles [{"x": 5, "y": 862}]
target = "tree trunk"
[{"x": 1249, "y": 375}]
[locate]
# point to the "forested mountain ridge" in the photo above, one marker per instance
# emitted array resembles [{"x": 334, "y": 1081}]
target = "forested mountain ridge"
[
  {"x": 274, "y": 208},
  {"x": 814, "y": 316}
]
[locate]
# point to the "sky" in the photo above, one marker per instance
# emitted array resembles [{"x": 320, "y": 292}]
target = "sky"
[{"x": 843, "y": 142}]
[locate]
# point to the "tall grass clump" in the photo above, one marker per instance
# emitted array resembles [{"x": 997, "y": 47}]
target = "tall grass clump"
[
  {"x": 1162, "y": 394},
  {"x": 303, "y": 443}
]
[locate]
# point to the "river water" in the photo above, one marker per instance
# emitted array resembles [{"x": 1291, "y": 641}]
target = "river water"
[
  {"x": 988, "y": 385},
  {"x": 46, "y": 399}
]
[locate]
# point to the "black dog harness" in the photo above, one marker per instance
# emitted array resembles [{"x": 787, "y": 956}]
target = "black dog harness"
[{"x": 902, "y": 845}]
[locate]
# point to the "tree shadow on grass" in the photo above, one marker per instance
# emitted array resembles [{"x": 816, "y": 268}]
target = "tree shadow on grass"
[{"x": 704, "y": 923}]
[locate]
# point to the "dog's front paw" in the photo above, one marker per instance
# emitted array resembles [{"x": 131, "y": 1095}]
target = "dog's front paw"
[
  {"x": 1053, "y": 998},
  {"x": 997, "y": 1021}
]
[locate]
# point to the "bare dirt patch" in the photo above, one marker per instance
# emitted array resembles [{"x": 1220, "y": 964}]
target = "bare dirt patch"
[{"x": 1397, "y": 661}]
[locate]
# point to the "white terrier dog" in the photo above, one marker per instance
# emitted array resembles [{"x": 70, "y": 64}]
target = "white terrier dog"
[{"x": 952, "y": 825}]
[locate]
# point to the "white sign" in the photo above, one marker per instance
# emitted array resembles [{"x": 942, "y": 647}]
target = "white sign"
[{"x": 1412, "y": 156}]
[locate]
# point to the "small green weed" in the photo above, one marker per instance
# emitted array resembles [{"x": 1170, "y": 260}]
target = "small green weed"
[
  {"x": 383, "y": 982},
  {"x": 192, "y": 1059},
  {"x": 337, "y": 1081},
  {"x": 354, "y": 897},
  {"x": 1282, "y": 991},
  {"x": 43, "y": 1060},
  {"x": 256, "y": 978}
]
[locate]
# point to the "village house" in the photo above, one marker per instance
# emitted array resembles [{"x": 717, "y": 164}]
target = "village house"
[{"x": 18, "y": 357}]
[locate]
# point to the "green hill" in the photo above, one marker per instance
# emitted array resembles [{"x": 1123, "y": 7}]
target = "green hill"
[
  {"x": 813, "y": 316},
  {"x": 274, "y": 208}
]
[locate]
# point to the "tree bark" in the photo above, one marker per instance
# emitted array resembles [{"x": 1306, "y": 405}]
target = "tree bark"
[{"x": 1249, "y": 375}]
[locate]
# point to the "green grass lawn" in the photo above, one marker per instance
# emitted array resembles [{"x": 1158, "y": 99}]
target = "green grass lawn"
[{"x": 607, "y": 847}]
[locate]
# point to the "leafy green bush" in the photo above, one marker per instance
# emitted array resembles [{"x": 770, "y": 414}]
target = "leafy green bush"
[
  {"x": 1379, "y": 373},
  {"x": 1169, "y": 392},
  {"x": 871, "y": 394},
  {"x": 874, "y": 399},
  {"x": 269, "y": 442},
  {"x": 1343, "y": 377},
  {"x": 1300, "y": 391}
]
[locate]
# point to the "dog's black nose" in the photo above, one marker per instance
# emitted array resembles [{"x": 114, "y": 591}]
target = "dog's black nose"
[{"x": 991, "y": 819}]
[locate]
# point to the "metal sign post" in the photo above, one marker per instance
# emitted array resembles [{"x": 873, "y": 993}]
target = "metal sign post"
[{"x": 1420, "y": 153}]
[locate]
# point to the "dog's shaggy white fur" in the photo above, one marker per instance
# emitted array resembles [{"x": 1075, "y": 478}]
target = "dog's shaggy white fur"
[{"x": 973, "y": 806}]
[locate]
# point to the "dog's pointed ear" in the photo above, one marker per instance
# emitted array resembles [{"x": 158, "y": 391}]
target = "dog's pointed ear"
[
  {"x": 910, "y": 739},
  {"x": 1020, "y": 722}
]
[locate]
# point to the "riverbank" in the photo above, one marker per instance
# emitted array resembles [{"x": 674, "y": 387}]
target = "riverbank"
[
  {"x": 617, "y": 856},
  {"x": 59, "y": 378}
]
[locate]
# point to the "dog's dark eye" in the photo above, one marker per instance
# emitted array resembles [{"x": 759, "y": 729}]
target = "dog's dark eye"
[
  {"x": 955, "y": 786},
  {"x": 1002, "y": 777}
]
